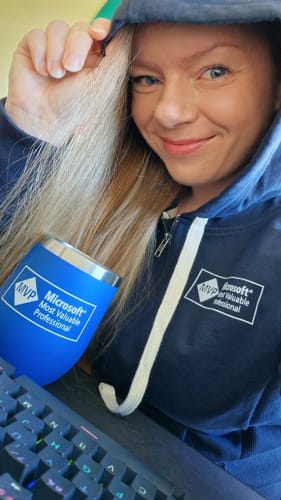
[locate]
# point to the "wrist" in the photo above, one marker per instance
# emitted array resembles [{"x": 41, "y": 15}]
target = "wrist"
[{"x": 27, "y": 123}]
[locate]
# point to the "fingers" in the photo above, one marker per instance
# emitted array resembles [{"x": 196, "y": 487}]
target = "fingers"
[{"x": 61, "y": 48}]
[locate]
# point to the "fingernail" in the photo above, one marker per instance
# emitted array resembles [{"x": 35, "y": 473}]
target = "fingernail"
[
  {"x": 72, "y": 62},
  {"x": 57, "y": 72},
  {"x": 98, "y": 28}
]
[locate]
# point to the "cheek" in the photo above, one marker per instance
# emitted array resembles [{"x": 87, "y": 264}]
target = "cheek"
[
  {"x": 230, "y": 110},
  {"x": 137, "y": 113},
  {"x": 142, "y": 111},
  {"x": 249, "y": 105}
]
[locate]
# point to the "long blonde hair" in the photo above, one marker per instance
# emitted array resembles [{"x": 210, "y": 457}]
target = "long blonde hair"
[{"x": 102, "y": 189}]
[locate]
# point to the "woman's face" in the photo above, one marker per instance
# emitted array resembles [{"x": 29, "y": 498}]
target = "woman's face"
[{"x": 203, "y": 96}]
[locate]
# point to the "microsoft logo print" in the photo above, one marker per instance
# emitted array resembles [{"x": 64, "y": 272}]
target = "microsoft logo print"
[
  {"x": 25, "y": 291},
  {"x": 232, "y": 296}
]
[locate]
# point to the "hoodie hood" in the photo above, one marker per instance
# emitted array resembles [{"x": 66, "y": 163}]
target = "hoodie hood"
[
  {"x": 195, "y": 11},
  {"x": 260, "y": 179}
]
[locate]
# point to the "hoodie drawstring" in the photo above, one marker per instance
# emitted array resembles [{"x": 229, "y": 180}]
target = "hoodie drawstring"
[{"x": 162, "y": 319}]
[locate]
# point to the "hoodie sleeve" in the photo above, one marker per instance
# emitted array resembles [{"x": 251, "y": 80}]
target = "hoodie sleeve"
[{"x": 15, "y": 145}]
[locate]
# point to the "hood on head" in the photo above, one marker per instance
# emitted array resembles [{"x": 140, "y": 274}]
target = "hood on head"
[{"x": 194, "y": 11}]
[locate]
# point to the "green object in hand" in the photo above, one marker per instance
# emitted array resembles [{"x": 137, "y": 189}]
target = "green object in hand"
[{"x": 108, "y": 9}]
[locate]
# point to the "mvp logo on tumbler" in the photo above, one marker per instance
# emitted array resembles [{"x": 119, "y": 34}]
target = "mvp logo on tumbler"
[{"x": 25, "y": 291}]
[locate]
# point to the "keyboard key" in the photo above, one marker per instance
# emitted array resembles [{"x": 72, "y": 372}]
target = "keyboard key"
[
  {"x": 31, "y": 403},
  {"x": 57, "y": 423},
  {"x": 17, "y": 432},
  {"x": 144, "y": 488},
  {"x": 87, "y": 486},
  {"x": 91, "y": 468},
  {"x": 9, "y": 488},
  {"x": 120, "y": 490},
  {"x": 53, "y": 460},
  {"x": 8, "y": 385},
  {"x": 19, "y": 461},
  {"x": 30, "y": 421},
  {"x": 84, "y": 443},
  {"x": 113, "y": 465},
  {"x": 53, "y": 486},
  {"x": 59, "y": 444},
  {"x": 6, "y": 367},
  {"x": 7, "y": 403}
]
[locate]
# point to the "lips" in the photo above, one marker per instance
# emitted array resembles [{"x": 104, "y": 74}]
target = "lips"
[{"x": 184, "y": 147}]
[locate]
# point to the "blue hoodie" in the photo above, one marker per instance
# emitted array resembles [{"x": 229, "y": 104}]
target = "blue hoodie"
[
  {"x": 200, "y": 346},
  {"x": 214, "y": 376},
  {"x": 216, "y": 379}
]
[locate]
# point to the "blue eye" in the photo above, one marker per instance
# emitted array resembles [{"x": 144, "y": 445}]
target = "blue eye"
[
  {"x": 144, "y": 81},
  {"x": 216, "y": 72}
]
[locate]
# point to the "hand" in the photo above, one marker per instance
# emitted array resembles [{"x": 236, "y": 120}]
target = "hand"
[{"x": 48, "y": 71}]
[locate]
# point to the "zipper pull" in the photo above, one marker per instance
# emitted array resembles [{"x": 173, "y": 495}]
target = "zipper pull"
[{"x": 160, "y": 249}]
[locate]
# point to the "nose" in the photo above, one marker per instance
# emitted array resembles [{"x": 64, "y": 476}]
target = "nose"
[{"x": 177, "y": 104}]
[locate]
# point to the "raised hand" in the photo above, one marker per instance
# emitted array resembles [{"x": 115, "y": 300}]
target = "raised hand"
[{"x": 49, "y": 69}]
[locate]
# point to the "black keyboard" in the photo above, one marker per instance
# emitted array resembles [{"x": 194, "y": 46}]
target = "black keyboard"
[{"x": 49, "y": 452}]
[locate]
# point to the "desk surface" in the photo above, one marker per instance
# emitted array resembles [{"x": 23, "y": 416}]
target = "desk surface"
[{"x": 161, "y": 450}]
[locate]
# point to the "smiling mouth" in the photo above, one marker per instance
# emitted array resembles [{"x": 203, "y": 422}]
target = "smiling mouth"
[{"x": 184, "y": 147}]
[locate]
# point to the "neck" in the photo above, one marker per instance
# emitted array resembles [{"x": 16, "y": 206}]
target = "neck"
[{"x": 197, "y": 197}]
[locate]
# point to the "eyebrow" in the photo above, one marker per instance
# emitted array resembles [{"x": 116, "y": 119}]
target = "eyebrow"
[{"x": 138, "y": 61}]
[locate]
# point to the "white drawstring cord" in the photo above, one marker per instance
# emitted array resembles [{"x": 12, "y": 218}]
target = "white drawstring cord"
[{"x": 162, "y": 319}]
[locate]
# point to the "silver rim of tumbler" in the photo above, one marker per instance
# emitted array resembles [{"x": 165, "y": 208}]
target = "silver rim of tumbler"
[{"x": 80, "y": 260}]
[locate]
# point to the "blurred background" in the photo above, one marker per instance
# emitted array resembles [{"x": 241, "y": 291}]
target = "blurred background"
[{"x": 20, "y": 16}]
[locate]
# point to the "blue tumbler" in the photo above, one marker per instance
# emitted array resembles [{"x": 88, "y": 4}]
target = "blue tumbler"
[{"x": 50, "y": 308}]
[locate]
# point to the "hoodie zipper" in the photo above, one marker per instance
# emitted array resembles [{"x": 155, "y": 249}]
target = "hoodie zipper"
[{"x": 169, "y": 230}]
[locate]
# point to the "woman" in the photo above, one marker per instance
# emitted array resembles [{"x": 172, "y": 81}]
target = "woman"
[{"x": 181, "y": 118}]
